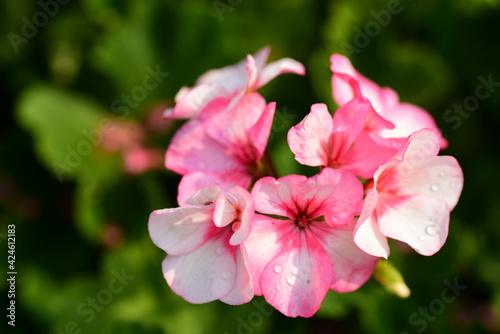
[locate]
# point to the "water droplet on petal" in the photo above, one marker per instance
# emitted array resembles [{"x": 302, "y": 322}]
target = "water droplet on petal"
[
  {"x": 432, "y": 229},
  {"x": 211, "y": 275},
  {"x": 277, "y": 183},
  {"x": 435, "y": 187},
  {"x": 452, "y": 185},
  {"x": 277, "y": 269},
  {"x": 226, "y": 274},
  {"x": 219, "y": 250},
  {"x": 278, "y": 287},
  {"x": 421, "y": 237},
  {"x": 441, "y": 174},
  {"x": 291, "y": 278}
]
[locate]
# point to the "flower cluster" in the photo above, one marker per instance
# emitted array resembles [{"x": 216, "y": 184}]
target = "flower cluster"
[{"x": 241, "y": 231}]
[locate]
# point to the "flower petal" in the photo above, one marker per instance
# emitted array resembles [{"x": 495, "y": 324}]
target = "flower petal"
[
  {"x": 192, "y": 101},
  {"x": 352, "y": 266},
  {"x": 242, "y": 291},
  {"x": 191, "y": 149},
  {"x": 246, "y": 211},
  {"x": 297, "y": 279},
  {"x": 180, "y": 230},
  {"x": 262, "y": 245},
  {"x": 420, "y": 221},
  {"x": 309, "y": 139},
  {"x": 284, "y": 65},
  {"x": 204, "y": 275},
  {"x": 367, "y": 235}
]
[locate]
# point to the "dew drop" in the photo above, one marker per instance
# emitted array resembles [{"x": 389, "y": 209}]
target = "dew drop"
[
  {"x": 211, "y": 275},
  {"x": 435, "y": 187},
  {"x": 277, "y": 269},
  {"x": 432, "y": 229},
  {"x": 291, "y": 278},
  {"x": 441, "y": 174},
  {"x": 226, "y": 274},
  {"x": 452, "y": 185},
  {"x": 278, "y": 287},
  {"x": 277, "y": 183},
  {"x": 421, "y": 237},
  {"x": 219, "y": 250}
]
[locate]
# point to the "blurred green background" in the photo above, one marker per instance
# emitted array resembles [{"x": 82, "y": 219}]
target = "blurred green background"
[{"x": 67, "y": 68}]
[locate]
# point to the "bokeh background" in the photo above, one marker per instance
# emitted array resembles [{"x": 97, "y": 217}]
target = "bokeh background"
[{"x": 82, "y": 144}]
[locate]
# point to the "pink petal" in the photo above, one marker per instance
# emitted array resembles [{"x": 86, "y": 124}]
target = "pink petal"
[
  {"x": 333, "y": 193},
  {"x": 237, "y": 129},
  {"x": 437, "y": 177},
  {"x": 367, "y": 235},
  {"x": 284, "y": 65},
  {"x": 273, "y": 196},
  {"x": 410, "y": 118},
  {"x": 370, "y": 152},
  {"x": 309, "y": 140},
  {"x": 242, "y": 291},
  {"x": 192, "y": 182},
  {"x": 203, "y": 275},
  {"x": 191, "y": 149},
  {"x": 262, "y": 245},
  {"x": 352, "y": 266},
  {"x": 180, "y": 230},
  {"x": 348, "y": 122},
  {"x": 225, "y": 211},
  {"x": 246, "y": 211},
  {"x": 259, "y": 133},
  {"x": 296, "y": 280},
  {"x": 419, "y": 221},
  {"x": 205, "y": 196},
  {"x": 231, "y": 78},
  {"x": 192, "y": 101}
]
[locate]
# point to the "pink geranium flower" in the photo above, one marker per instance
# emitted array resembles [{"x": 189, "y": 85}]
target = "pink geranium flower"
[
  {"x": 301, "y": 244},
  {"x": 203, "y": 238},
  {"x": 410, "y": 198},
  {"x": 407, "y": 118},
  {"x": 231, "y": 82},
  {"x": 227, "y": 145},
  {"x": 342, "y": 141}
]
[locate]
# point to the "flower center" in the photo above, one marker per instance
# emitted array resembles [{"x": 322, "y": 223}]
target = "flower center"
[{"x": 302, "y": 221}]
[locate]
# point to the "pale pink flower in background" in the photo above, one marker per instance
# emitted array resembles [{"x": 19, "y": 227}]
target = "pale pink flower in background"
[
  {"x": 342, "y": 141},
  {"x": 306, "y": 246},
  {"x": 141, "y": 159},
  {"x": 231, "y": 82},
  {"x": 410, "y": 198},
  {"x": 228, "y": 145},
  {"x": 407, "y": 118},
  {"x": 203, "y": 238}
]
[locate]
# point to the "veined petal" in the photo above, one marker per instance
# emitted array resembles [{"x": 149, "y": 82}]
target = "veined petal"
[
  {"x": 203, "y": 275},
  {"x": 263, "y": 245},
  {"x": 276, "y": 197},
  {"x": 180, "y": 230},
  {"x": 296, "y": 280}
]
